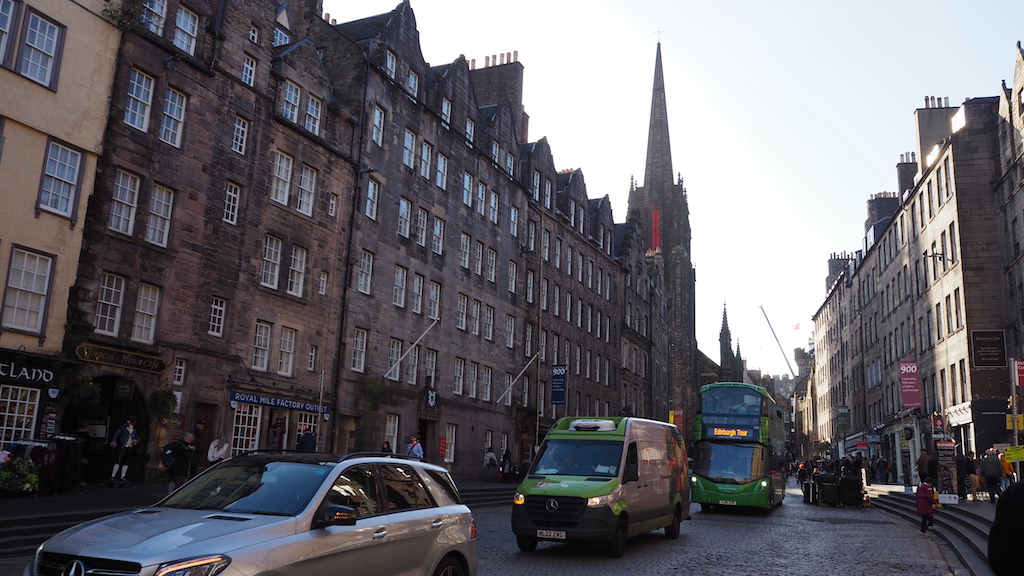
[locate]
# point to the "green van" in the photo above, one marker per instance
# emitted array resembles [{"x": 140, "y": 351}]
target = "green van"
[{"x": 602, "y": 481}]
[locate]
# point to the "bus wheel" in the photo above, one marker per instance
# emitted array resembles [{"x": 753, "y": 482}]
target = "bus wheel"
[
  {"x": 526, "y": 544},
  {"x": 617, "y": 546},
  {"x": 672, "y": 530}
]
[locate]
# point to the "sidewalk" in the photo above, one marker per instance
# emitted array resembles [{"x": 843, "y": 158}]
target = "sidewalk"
[{"x": 91, "y": 497}]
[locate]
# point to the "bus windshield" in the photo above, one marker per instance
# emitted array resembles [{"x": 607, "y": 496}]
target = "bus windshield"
[
  {"x": 579, "y": 458},
  {"x": 730, "y": 400},
  {"x": 737, "y": 463}
]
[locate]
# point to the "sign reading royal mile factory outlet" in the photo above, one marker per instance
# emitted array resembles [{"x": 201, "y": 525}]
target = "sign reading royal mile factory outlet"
[{"x": 277, "y": 402}]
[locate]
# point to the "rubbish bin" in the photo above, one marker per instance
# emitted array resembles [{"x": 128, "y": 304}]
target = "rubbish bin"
[
  {"x": 851, "y": 491},
  {"x": 828, "y": 489}
]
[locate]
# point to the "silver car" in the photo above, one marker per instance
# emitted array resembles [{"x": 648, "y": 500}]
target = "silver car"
[{"x": 282, "y": 513}]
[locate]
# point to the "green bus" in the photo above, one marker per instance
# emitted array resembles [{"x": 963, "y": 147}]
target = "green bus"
[{"x": 739, "y": 453}]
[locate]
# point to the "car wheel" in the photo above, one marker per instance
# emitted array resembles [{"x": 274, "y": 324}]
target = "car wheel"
[
  {"x": 672, "y": 530},
  {"x": 617, "y": 546},
  {"x": 526, "y": 544},
  {"x": 450, "y": 567}
]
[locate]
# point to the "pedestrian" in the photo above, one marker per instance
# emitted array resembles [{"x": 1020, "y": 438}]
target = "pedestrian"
[
  {"x": 1007, "y": 472},
  {"x": 992, "y": 470},
  {"x": 386, "y": 447},
  {"x": 125, "y": 439},
  {"x": 490, "y": 464},
  {"x": 414, "y": 449},
  {"x": 964, "y": 468},
  {"x": 1007, "y": 532},
  {"x": 506, "y": 462},
  {"x": 926, "y": 503},
  {"x": 179, "y": 456},
  {"x": 307, "y": 441},
  {"x": 924, "y": 464}
]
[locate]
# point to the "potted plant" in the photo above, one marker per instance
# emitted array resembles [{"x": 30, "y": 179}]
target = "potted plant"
[
  {"x": 163, "y": 403},
  {"x": 18, "y": 476}
]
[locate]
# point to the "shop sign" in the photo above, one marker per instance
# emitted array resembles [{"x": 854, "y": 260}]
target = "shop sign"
[
  {"x": 121, "y": 358},
  {"x": 277, "y": 402},
  {"x": 11, "y": 370},
  {"x": 988, "y": 348}
]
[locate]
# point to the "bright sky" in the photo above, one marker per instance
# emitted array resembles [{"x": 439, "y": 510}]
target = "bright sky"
[{"x": 784, "y": 116}]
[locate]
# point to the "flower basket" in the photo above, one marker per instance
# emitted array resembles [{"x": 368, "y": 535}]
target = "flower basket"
[{"x": 18, "y": 477}]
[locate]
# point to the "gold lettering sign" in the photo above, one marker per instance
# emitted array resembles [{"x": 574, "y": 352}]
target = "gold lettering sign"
[
  {"x": 122, "y": 358},
  {"x": 730, "y": 432}
]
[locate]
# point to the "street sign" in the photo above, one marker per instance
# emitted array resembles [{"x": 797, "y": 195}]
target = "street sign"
[{"x": 1014, "y": 453}]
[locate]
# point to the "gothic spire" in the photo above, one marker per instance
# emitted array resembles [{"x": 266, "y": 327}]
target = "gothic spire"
[{"x": 658, "y": 177}]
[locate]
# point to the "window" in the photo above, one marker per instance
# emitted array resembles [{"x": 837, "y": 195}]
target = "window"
[
  {"x": 409, "y": 149},
  {"x": 41, "y": 44},
  {"x": 324, "y": 277},
  {"x": 446, "y": 113},
  {"x": 173, "y": 118},
  {"x": 470, "y": 132},
  {"x": 426, "y": 152},
  {"x": 417, "y": 293},
  {"x": 474, "y": 317},
  {"x": 161, "y": 202},
  {"x": 307, "y": 190},
  {"x": 109, "y": 302},
  {"x": 122, "y": 208},
  {"x": 311, "y": 358},
  {"x": 297, "y": 271},
  {"x": 467, "y": 189},
  {"x": 313, "y": 108},
  {"x": 449, "y": 447},
  {"x": 495, "y": 149},
  {"x": 332, "y": 205},
  {"x": 478, "y": 258},
  {"x": 153, "y": 12},
  {"x": 254, "y": 34},
  {"x": 464, "y": 248},
  {"x": 481, "y": 193},
  {"x": 359, "y": 350},
  {"x": 459, "y": 377},
  {"x": 460, "y": 312},
  {"x": 513, "y": 221},
  {"x": 249, "y": 70},
  {"x": 489, "y": 322},
  {"x": 372, "y": 196},
  {"x": 378, "y": 126},
  {"x": 186, "y": 28},
  {"x": 28, "y": 283},
  {"x": 485, "y": 392},
  {"x": 510, "y": 164},
  {"x": 404, "y": 217},
  {"x": 20, "y": 420},
  {"x": 281, "y": 37},
  {"x": 437, "y": 240},
  {"x": 7, "y": 16},
  {"x": 391, "y": 66},
  {"x": 286, "y": 351},
  {"x": 218, "y": 309},
  {"x": 239, "y": 135},
  {"x": 147, "y": 303},
  {"x": 421, "y": 227},
  {"x": 493, "y": 212},
  {"x": 261, "y": 346},
  {"x": 474, "y": 370},
  {"x": 530, "y": 279},
  {"x": 441, "y": 176},
  {"x": 394, "y": 360},
  {"x": 280, "y": 177},
  {"x": 59, "y": 191},
  {"x": 365, "y": 271},
  {"x": 492, "y": 262},
  {"x": 290, "y": 103},
  {"x": 507, "y": 394},
  {"x": 138, "y": 101},
  {"x": 510, "y": 331},
  {"x": 434, "y": 301},
  {"x": 180, "y": 368},
  {"x": 271, "y": 261},
  {"x": 401, "y": 277},
  {"x": 413, "y": 83},
  {"x": 412, "y": 365},
  {"x": 232, "y": 194},
  {"x": 513, "y": 276}
]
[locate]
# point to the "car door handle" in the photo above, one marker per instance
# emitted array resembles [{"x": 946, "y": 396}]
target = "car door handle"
[
  {"x": 382, "y": 533},
  {"x": 437, "y": 524}
]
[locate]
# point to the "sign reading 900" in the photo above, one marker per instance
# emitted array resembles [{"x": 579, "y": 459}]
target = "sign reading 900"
[{"x": 908, "y": 368}]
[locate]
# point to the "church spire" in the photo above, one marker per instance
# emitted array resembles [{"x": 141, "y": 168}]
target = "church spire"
[{"x": 658, "y": 177}]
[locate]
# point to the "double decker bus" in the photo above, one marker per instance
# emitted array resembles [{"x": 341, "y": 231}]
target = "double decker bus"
[{"x": 739, "y": 454}]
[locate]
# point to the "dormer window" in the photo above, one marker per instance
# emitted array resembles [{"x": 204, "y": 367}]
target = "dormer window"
[
  {"x": 281, "y": 37},
  {"x": 153, "y": 12},
  {"x": 414, "y": 83},
  {"x": 446, "y": 112},
  {"x": 254, "y": 34}
]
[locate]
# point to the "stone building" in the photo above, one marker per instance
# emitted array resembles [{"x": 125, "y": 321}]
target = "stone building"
[{"x": 57, "y": 63}]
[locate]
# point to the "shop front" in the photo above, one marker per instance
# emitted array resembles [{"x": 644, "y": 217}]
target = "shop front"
[{"x": 276, "y": 419}]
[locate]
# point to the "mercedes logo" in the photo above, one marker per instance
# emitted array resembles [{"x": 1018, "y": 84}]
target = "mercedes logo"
[
  {"x": 75, "y": 568},
  {"x": 552, "y": 506}
]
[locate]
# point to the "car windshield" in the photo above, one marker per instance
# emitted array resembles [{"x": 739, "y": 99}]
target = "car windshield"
[
  {"x": 278, "y": 488},
  {"x": 579, "y": 458}
]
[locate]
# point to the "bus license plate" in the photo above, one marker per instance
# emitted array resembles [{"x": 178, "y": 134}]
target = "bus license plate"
[
  {"x": 553, "y": 534},
  {"x": 727, "y": 502}
]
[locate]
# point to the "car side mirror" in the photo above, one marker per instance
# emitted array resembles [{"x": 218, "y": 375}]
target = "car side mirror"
[
  {"x": 337, "y": 515},
  {"x": 631, "y": 473}
]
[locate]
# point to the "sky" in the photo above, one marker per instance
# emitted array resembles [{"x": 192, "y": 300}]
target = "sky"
[{"x": 784, "y": 116}]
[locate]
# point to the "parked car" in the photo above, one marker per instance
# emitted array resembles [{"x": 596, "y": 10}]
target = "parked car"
[{"x": 282, "y": 513}]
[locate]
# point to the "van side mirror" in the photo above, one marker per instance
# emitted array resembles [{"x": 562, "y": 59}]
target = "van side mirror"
[{"x": 630, "y": 474}]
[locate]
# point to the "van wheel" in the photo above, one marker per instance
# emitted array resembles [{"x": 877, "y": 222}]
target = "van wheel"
[
  {"x": 526, "y": 544},
  {"x": 617, "y": 546},
  {"x": 672, "y": 530}
]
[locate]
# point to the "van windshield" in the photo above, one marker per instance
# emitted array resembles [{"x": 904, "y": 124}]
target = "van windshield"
[{"x": 579, "y": 458}]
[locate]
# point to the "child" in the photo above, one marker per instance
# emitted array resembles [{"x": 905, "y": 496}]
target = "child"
[{"x": 926, "y": 503}]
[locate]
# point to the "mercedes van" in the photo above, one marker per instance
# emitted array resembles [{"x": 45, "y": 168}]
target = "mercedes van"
[{"x": 603, "y": 481}]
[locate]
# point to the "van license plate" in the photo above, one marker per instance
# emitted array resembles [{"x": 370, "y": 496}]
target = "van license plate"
[
  {"x": 553, "y": 534},
  {"x": 727, "y": 502}
]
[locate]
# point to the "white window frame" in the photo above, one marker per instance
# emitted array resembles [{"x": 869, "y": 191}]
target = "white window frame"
[
  {"x": 286, "y": 351},
  {"x": 306, "y": 196},
  {"x": 232, "y": 199},
  {"x": 314, "y": 109},
  {"x": 261, "y": 345},
  {"x": 297, "y": 271},
  {"x": 270, "y": 272},
  {"x": 161, "y": 206},
  {"x": 365, "y": 284},
  {"x": 401, "y": 280},
  {"x": 124, "y": 202},
  {"x": 249, "y": 67},
  {"x": 58, "y": 192},
  {"x": 239, "y": 135},
  {"x": 372, "y": 198},
  {"x": 147, "y": 307},
  {"x": 290, "y": 97},
  {"x": 359, "y": 340},
  {"x": 186, "y": 29},
  {"x": 377, "y": 131},
  {"x": 139, "y": 100},
  {"x": 404, "y": 217},
  {"x": 218, "y": 313},
  {"x": 437, "y": 238},
  {"x": 29, "y": 279},
  {"x": 280, "y": 176},
  {"x": 434, "y": 301},
  {"x": 109, "y": 303}
]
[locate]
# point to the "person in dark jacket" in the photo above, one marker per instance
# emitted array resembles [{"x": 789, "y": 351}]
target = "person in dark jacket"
[
  {"x": 964, "y": 468},
  {"x": 180, "y": 468},
  {"x": 926, "y": 503},
  {"x": 1007, "y": 533},
  {"x": 992, "y": 470}
]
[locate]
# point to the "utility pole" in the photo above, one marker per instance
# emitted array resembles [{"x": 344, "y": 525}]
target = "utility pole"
[{"x": 788, "y": 365}]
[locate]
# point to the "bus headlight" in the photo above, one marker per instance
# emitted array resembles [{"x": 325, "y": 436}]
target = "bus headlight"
[
  {"x": 764, "y": 483},
  {"x": 595, "y": 501},
  {"x": 693, "y": 479}
]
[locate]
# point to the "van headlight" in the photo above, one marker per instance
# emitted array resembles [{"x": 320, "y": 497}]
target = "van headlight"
[
  {"x": 205, "y": 566},
  {"x": 595, "y": 501},
  {"x": 519, "y": 498}
]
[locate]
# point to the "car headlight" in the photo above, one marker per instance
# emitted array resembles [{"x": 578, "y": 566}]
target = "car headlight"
[
  {"x": 605, "y": 500},
  {"x": 205, "y": 566}
]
